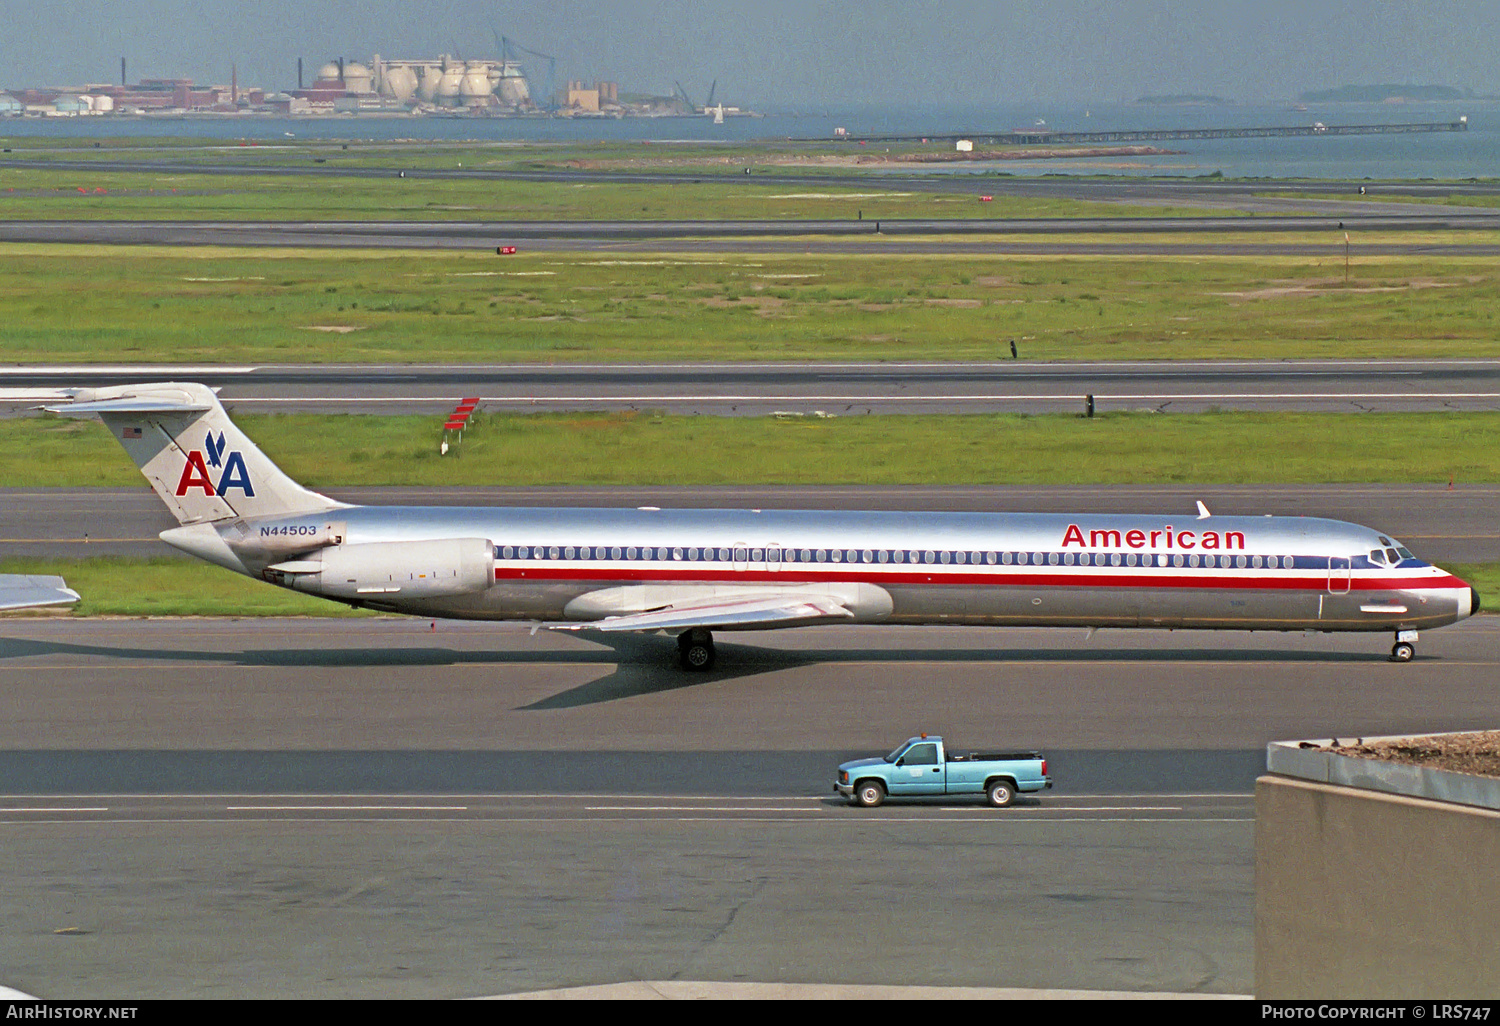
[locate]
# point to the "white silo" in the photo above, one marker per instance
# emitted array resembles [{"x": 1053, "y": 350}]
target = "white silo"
[
  {"x": 427, "y": 82},
  {"x": 104, "y": 104},
  {"x": 509, "y": 84},
  {"x": 475, "y": 89},
  {"x": 358, "y": 78},
  {"x": 399, "y": 82},
  {"x": 450, "y": 85}
]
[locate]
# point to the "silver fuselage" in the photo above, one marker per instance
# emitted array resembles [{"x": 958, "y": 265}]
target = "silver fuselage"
[{"x": 1255, "y": 573}]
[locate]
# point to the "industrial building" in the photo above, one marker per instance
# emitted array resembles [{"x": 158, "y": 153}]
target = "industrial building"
[{"x": 444, "y": 82}]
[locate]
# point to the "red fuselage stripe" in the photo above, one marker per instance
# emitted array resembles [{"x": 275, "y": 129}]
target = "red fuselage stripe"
[{"x": 1282, "y": 581}]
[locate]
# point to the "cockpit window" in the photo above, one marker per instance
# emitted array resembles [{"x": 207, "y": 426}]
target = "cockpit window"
[
  {"x": 1405, "y": 553},
  {"x": 1393, "y": 556},
  {"x": 1385, "y": 541},
  {"x": 1376, "y": 556}
]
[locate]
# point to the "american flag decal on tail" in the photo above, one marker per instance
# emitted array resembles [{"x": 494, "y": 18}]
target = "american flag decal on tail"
[{"x": 131, "y": 432}]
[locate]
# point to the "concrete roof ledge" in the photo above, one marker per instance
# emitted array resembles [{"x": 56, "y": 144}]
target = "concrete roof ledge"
[{"x": 1292, "y": 759}]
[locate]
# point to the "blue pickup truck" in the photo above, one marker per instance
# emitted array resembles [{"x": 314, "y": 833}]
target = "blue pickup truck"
[{"x": 922, "y": 766}]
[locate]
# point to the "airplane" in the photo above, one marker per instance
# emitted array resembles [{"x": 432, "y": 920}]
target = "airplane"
[
  {"x": 32, "y": 591},
  {"x": 693, "y": 572}
]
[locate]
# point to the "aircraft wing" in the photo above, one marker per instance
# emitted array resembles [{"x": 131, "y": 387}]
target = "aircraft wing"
[
  {"x": 24, "y": 591},
  {"x": 775, "y": 611}
]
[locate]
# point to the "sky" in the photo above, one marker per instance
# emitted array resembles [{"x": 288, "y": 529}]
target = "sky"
[{"x": 792, "y": 55}]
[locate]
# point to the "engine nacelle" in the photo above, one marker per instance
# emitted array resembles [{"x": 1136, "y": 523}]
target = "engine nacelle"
[{"x": 384, "y": 571}]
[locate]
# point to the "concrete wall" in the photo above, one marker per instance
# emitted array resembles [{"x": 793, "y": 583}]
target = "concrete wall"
[{"x": 1360, "y": 894}]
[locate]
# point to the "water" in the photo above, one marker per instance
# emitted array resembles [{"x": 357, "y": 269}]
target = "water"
[{"x": 1471, "y": 154}]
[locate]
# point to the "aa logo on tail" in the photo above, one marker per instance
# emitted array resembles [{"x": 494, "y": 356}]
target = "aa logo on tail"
[{"x": 233, "y": 473}]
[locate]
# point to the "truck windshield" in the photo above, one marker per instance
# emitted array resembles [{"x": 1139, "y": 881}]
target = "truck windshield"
[{"x": 896, "y": 752}]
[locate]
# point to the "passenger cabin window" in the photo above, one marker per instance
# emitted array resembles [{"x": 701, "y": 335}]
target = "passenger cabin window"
[{"x": 921, "y": 755}]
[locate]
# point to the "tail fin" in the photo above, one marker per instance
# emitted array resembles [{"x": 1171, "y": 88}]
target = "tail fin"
[{"x": 203, "y": 467}]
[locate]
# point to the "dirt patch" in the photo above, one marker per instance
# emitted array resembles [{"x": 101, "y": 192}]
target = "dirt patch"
[
  {"x": 1477, "y": 752},
  {"x": 992, "y": 281},
  {"x": 1313, "y": 288},
  {"x": 952, "y": 302},
  {"x": 337, "y": 329},
  {"x": 867, "y": 159}
]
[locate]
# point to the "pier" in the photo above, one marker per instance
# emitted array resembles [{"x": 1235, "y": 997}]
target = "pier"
[{"x": 1032, "y": 136}]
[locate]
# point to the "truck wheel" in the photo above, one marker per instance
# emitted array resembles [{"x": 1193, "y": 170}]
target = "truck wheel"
[
  {"x": 1000, "y": 793},
  {"x": 869, "y": 793}
]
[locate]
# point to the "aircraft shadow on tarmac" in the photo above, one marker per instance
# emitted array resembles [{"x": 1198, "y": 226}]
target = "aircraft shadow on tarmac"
[{"x": 644, "y": 665}]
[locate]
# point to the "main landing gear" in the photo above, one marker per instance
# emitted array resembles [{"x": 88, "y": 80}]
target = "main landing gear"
[
  {"x": 695, "y": 649},
  {"x": 1405, "y": 648}
]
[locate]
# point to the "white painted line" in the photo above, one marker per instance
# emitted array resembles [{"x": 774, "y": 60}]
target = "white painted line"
[
  {"x": 62, "y": 808},
  {"x": 693, "y": 808},
  {"x": 347, "y": 808}
]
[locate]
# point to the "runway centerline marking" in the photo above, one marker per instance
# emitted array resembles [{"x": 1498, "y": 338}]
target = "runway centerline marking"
[{"x": 346, "y": 808}]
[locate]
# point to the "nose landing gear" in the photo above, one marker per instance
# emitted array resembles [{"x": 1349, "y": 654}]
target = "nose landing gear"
[
  {"x": 1405, "y": 648},
  {"x": 695, "y": 650}
]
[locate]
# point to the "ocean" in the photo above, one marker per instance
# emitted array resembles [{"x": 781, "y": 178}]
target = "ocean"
[{"x": 1450, "y": 155}]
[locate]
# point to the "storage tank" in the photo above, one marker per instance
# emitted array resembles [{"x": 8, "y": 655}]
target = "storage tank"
[
  {"x": 399, "y": 82},
  {"x": 509, "y": 84},
  {"x": 104, "y": 104},
  {"x": 450, "y": 83},
  {"x": 358, "y": 78},
  {"x": 328, "y": 74},
  {"x": 474, "y": 90},
  {"x": 427, "y": 83}
]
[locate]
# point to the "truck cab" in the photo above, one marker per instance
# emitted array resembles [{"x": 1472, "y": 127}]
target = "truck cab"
[{"x": 924, "y": 765}]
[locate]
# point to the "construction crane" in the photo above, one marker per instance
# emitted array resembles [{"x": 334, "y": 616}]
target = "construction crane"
[{"x": 508, "y": 50}]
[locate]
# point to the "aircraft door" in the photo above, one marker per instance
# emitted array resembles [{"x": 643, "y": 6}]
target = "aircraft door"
[{"x": 1338, "y": 575}]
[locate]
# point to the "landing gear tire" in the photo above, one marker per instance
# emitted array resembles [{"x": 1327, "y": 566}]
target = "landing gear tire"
[
  {"x": 1000, "y": 793},
  {"x": 869, "y": 794},
  {"x": 1402, "y": 652},
  {"x": 695, "y": 650}
]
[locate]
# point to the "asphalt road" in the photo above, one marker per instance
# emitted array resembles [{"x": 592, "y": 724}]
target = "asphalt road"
[
  {"x": 977, "y": 237},
  {"x": 1441, "y": 524},
  {"x": 758, "y": 389},
  {"x": 369, "y": 808}
]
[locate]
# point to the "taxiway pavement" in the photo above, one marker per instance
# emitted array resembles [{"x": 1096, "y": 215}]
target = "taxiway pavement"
[
  {"x": 810, "y": 389},
  {"x": 1440, "y": 523},
  {"x": 384, "y": 807}
]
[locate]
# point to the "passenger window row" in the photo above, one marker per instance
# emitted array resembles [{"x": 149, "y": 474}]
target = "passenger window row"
[{"x": 740, "y": 554}]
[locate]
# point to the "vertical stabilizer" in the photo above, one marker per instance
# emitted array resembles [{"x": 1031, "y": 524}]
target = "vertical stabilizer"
[{"x": 203, "y": 467}]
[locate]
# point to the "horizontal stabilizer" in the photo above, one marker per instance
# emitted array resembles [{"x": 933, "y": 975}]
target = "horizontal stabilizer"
[
  {"x": 778, "y": 611},
  {"x": 26, "y": 591},
  {"x": 131, "y": 404}
]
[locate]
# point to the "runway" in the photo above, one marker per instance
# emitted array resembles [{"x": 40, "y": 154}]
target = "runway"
[
  {"x": 1440, "y": 524},
  {"x": 1000, "y": 237},
  {"x": 374, "y": 807},
  {"x": 840, "y": 389}
]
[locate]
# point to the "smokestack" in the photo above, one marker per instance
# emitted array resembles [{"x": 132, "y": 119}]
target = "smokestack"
[
  {"x": 341, "y": 71},
  {"x": 122, "y": 70},
  {"x": 234, "y": 83},
  {"x": 299, "y": 73}
]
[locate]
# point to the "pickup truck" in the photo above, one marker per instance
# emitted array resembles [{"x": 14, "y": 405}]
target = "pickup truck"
[{"x": 924, "y": 766}]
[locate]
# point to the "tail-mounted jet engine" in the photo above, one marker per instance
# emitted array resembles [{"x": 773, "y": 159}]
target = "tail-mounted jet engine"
[{"x": 384, "y": 571}]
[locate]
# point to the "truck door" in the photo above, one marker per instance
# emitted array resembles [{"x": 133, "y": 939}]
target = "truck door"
[{"x": 920, "y": 771}]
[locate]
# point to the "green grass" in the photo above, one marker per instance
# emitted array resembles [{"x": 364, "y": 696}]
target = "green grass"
[
  {"x": 87, "y": 304},
  {"x": 108, "y": 195},
  {"x": 637, "y": 449},
  {"x": 119, "y": 586}
]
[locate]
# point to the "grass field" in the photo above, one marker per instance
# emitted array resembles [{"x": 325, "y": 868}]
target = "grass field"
[
  {"x": 656, "y": 449},
  {"x": 62, "y": 304},
  {"x": 111, "y": 195}
]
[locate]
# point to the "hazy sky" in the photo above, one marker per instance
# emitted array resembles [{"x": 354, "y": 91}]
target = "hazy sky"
[{"x": 792, "y": 54}]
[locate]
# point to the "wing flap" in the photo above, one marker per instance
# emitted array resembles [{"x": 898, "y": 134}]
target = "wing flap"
[
  {"x": 777, "y": 611},
  {"x": 27, "y": 591}
]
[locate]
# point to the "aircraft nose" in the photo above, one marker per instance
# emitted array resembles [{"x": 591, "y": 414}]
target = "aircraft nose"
[{"x": 1473, "y": 601}]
